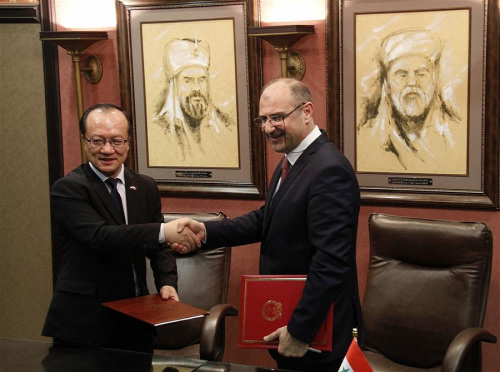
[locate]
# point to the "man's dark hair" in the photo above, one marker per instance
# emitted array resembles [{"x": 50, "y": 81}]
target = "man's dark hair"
[{"x": 104, "y": 107}]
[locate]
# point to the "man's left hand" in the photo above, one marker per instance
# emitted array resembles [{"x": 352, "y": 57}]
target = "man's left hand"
[
  {"x": 288, "y": 345},
  {"x": 168, "y": 293}
]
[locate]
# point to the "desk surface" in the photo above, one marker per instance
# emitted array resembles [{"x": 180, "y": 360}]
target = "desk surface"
[{"x": 24, "y": 355}]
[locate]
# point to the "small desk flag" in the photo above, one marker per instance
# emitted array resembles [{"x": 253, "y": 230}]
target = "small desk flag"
[{"x": 354, "y": 360}]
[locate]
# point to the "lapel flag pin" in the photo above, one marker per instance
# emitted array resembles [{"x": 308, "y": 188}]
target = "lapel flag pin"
[{"x": 133, "y": 188}]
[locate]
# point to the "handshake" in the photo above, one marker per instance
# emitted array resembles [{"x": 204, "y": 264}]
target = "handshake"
[{"x": 184, "y": 235}]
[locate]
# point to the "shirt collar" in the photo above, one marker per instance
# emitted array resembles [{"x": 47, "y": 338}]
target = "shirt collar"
[
  {"x": 292, "y": 156},
  {"x": 121, "y": 175}
]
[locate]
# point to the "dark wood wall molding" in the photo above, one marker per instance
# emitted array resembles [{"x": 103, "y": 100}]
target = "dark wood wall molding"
[
  {"x": 53, "y": 114},
  {"x": 19, "y": 13}
]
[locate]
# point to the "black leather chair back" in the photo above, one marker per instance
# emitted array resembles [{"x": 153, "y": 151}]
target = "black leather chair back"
[
  {"x": 427, "y": 281},
  {"x": 203, "y": 274},
  {"x": 203, "y": 282}
]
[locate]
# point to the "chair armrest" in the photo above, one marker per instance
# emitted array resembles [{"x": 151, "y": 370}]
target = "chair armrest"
[
  {"x": 461, "y": 344},
  {"x": 212, "y": 338}
]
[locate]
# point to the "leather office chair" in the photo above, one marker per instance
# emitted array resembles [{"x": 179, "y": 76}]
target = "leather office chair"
[
  {"x": 426, "y": 294},
  {"x": 203, "y": 283}
]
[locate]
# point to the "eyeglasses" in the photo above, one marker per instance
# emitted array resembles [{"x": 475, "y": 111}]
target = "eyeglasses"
[
  {"x": 98, "y": 143},
  {"x": 274, "y": 120}
]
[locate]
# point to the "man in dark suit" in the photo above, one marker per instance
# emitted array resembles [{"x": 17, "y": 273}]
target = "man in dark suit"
[
  {"x": 105, "y": 233},
  {"x": 308, "y": 225}
]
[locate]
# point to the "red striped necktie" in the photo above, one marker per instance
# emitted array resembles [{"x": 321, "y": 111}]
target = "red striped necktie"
[{"x": 285, "y": 168}]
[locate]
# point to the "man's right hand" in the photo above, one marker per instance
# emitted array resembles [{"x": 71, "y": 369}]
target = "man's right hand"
[
  {"x": 193, "y": 226},
  {"x": 184, "y": 235}
]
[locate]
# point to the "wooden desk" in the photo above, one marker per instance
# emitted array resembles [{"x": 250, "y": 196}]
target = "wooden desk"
[{"x": 24, "y": 355}]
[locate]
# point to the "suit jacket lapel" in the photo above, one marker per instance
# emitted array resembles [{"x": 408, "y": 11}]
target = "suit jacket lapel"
[
  {"x": 270, "y": 195},
  {"x": 102, "y": 192},
  {"x": 273, "y": 184},
  {"x": 272, "y": 202},
  {"x": 131, "y": 191}
]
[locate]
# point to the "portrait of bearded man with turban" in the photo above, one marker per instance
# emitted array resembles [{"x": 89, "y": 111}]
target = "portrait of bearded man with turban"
[
  {"x": 407, "y": 125},
  {"x": 197, "y": 133}
]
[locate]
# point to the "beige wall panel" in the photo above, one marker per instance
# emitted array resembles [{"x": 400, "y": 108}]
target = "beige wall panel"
[{"x": 25, "y": 241}]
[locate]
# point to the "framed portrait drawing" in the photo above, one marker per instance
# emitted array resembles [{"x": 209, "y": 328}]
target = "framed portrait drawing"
[
  {"x": 189, "y": 77},
  {"x": 414, "y": 99}
]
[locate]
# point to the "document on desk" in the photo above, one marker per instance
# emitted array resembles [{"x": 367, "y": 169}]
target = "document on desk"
[
  {"x": 153, "y": 310},
  {"x": 267, "y": 303}
]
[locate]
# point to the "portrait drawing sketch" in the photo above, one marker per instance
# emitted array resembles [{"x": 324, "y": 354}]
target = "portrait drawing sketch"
[
  {"x": 190, "y": 94},
  {"x": 411, "y": 114}
]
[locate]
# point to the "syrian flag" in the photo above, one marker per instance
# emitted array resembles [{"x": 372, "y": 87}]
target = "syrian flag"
[{"x": 354, "y": 360}]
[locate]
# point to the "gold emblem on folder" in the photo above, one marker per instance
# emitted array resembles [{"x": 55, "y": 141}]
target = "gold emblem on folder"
[{"x": 272, "y": 310}]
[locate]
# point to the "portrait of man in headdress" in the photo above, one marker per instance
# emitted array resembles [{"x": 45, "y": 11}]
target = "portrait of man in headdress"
[
  {"x": 406, "y": 122},
  {"x": 186, "y": 128}
]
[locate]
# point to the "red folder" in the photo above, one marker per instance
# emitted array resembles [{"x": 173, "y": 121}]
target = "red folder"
[
  {"x": 153, "y": 310},
  {"x": 267, "y": 303}
]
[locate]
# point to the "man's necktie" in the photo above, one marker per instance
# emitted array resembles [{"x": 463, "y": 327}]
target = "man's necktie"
[
  {"x": 285, "y": 168},
  {"x": 118, "y": 201},
  {"x": 116, "y": 196}
]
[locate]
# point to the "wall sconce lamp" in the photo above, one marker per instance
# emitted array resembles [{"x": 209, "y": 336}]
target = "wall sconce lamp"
[
  {"x": 75, "y": 43},
  {"x": 282, "y": 37}
]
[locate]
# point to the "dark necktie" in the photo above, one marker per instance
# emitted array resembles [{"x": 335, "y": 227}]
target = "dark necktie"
[
  {"x": 118, "y": 201},
  {"x": 116, "y": 196},
  {"x": 285, "y": 168}
]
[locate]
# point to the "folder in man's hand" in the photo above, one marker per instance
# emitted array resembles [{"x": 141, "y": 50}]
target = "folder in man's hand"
[
  {"x": 267, "y": 303},
  {"x": 153, "y": 310}
]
